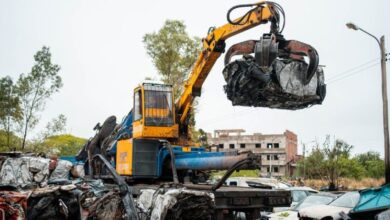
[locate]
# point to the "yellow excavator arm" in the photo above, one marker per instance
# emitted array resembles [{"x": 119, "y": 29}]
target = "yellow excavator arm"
[
  {"x": 213, "y": 47},
  {"x": 270, "y": 49}
]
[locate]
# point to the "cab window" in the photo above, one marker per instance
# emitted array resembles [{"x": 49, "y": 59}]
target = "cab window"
[{"x": 137, "y": 106}]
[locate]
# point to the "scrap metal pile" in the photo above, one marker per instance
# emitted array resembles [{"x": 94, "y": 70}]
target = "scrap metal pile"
[
  {"x": 175, "y": 203},
  {"x": 273, "y": 72},
  {"x": 277, "y": 76},
  {"x": 35, "y": 187}
]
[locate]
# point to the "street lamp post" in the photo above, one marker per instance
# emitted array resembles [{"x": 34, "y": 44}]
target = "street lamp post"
[
  {"x": 304, "y": 157},
  {"x": 381, "y": 44}
]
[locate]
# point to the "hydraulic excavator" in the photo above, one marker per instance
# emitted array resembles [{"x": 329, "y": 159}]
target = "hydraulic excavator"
[
  {"x": 156, "y": 131},
  {"x": 152, "y": 143}
]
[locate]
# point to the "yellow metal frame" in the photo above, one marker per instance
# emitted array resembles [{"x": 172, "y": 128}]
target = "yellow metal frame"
[
  {"x": 140, "y": 130},
  {"x": 124, "y": 157}
]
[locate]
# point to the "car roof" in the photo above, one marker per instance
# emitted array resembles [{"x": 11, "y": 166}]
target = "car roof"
[
  {"x": 303, "y": 188},
  {"x": 326, "y": 194}
]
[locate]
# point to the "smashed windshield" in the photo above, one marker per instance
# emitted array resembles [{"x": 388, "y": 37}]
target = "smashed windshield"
[
  {"x": 348, "y": 200},
  {"x": 314, "y": 200}
]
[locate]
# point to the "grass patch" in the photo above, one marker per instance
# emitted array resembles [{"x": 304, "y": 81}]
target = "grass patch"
[{"x": 241, "y": 173}]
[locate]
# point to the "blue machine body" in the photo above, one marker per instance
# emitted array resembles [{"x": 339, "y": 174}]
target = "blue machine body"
[{"x": 195, "y": 159}]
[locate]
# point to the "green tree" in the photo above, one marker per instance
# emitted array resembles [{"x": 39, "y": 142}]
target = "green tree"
[
  {"x": 364, "y": 158},
  {"x": 173, "y": 52},
  {"x": 55, "y": 127},
  {"x": 335, "y": 155},
  {"x": 8, "y": 140},
  {"x": 375, "y": 168},
  {"x": 10, "y": 111},
  {"x": 35, "y": 88},
  {"x": 200, "y": 136},
  {"x": 372, "y": 163},
  {"x": 332, "y": 161},
  {"x": 313, "y": 166},
  {"x": 350, "y": 168}
]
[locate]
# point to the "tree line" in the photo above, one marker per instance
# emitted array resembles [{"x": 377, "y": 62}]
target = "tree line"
[
  {"x": 23, "y": 100},
  {"x": 332, "y": 161}
]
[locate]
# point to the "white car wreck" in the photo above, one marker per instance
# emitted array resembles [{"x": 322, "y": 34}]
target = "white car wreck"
[
  {"x": 331, "y": 211},
  {"x": 312, "y": 200}
]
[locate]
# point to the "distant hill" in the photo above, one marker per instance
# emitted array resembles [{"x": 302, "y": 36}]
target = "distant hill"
[{"x": 67, "y": 144}]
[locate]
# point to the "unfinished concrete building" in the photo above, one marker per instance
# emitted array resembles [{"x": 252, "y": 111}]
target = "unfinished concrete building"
[{"x": 278, "y": 151}]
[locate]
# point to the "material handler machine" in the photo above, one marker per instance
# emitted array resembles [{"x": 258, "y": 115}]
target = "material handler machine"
[{"x": 153, "y": 145}]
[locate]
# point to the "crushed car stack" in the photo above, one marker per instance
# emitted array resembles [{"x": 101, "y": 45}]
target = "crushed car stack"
[
  {"x": 274, "y": 73},
  {"x": 36, "y": 187}
]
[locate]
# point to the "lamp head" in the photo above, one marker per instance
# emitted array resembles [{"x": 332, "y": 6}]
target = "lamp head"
[{"x": 352, "y": 26}]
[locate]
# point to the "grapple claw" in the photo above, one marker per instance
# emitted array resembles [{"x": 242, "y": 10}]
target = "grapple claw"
[{"x": 297, "y": 50}]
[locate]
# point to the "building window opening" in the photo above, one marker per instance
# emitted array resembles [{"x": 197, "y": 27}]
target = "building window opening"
[
  {"x": 276, "y": 157},
  {"x": 258, "y": 145},
  {"x": 269, "y": 145},
  {"x": 276, "y": 145},
  {"x": 242, "y": 145},
  {"x": 220, "y": 146},
  {"x": 231, "y": 146},
  {"x": 268, "y": 157},
  {"x": 276, "y": 169}
]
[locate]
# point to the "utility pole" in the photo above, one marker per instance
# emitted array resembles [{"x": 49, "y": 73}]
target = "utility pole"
[
  {"x": 385, "y": 109},
  {"x": 381, "y": 44},
  {"x": 304, "y": 156},
  {"x": 304, "y": 161}
]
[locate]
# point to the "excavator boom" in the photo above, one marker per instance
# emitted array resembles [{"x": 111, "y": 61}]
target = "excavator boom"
[{"x": 213, "y": 47}]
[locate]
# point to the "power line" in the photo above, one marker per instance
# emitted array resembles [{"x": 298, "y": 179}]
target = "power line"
[
  {"x": 353, "y": 73},
  {"x": 352, "y": 69}
]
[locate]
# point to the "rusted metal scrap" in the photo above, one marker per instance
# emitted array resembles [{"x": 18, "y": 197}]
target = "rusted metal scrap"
[
  {"x": 33, "y": 187},
  {"x": 175, "y": 203},
  {"x": 12, "y": 205},
  {"x": 109, "y": 206},
  {"x": 54, "y": 202},
  {"x": 273, "y": 73}
]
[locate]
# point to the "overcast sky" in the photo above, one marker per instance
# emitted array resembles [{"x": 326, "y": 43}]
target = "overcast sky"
[{"x": 98, "y": 45}]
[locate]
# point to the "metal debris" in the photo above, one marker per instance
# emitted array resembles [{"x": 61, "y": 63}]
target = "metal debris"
[
  {"x": 12, "y": 205},
  {"x": 175, "y": 204},
  {"x": 274, "y": 73},
  {"x": 282, "y": 86},
  {"x": 32, "y": 171},
  {"x": 61, "y": 171},
  {"x": 25, "y": 171}
]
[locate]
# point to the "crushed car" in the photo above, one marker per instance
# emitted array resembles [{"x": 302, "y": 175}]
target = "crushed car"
[
  {"x": 36, "y": 187},
  {"x": 273, "y": 73},
  {"x": 331, "y": 211},
  {"x": 311, "y": 200}
]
